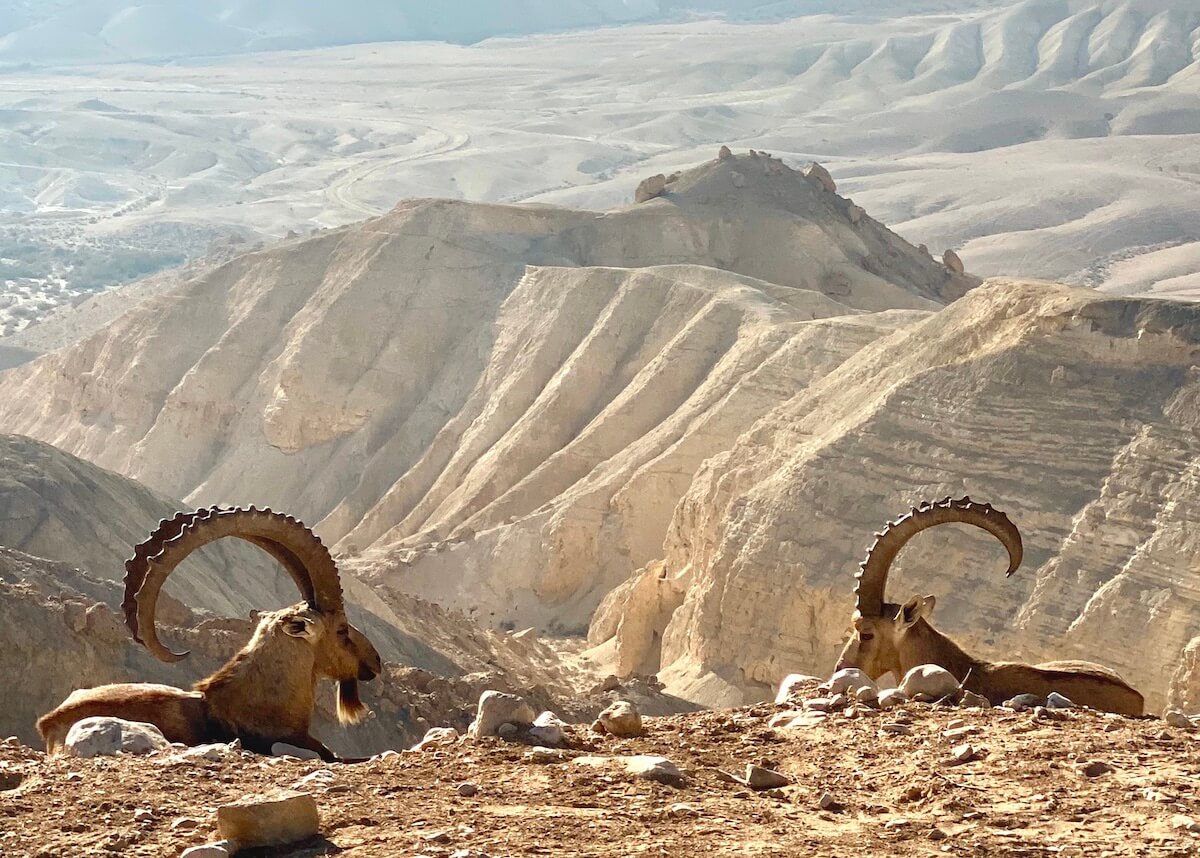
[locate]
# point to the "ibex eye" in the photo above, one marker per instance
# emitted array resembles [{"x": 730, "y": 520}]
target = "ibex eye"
[{"x": 865, "y": 636}]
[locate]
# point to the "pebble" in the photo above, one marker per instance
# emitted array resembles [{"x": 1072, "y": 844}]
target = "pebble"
[
  {"x": 1185, "y": 823},
  {"x": 890, "y": 698},
  {"x": 507, "y": 730},
  {"x": 1176, "y": 718},
  {"x": 963, "y": 753},
  {"x": 185, "y": 823},
  {"x": 466, "y": 790},
  {"x": 760, "y": 778},
  {"x": 937, "y": 834},
  {"x": 543, "y": 755},
  {"x": 828, "y": 802},
  {"x": 1094, "y": 769},
  {"x": 961, "y": 732},
  {"x": 1054, "y": 700},
  {"x": 1021, "y": 702},
  {"x": 895, "y": 728},
  {"x": 220, "y": 849},
  {"x": 971, "y": 700},
  {"x": 143, "y": 815}
]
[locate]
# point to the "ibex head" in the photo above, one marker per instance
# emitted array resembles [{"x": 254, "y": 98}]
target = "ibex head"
[
  {"x": 338, "y": 650},
  {"x": 884, "y": 636}
]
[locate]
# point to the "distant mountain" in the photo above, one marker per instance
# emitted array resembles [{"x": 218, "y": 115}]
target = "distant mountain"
[{"x": 101, "y": 31}]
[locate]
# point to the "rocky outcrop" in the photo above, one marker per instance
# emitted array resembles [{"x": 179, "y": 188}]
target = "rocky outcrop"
[
  {"x": 1072, "y": 411},
  {"x": 650, "y": 188}
]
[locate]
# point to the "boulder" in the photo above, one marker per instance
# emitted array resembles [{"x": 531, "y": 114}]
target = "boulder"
[
  {"x": 952, "y": 261},
  {"x": 548, "y": 730},
  {"x": 791, "y": 683},
  {"x": 621, "y": 719},
  {"x": 931, "y": 681},
  {"x": 272, "y": 820},
  {"x": 820, "y": 177},
  {"x": 497, "y": 708},
  {"x": 849, "y": 679},
  {"x": 724, "y": 153},
  {"x": 436, "y": 737},
  {"x": 650, "y": 188},
  {"x": 104, "y": 737},
  {"x": 855, "y": 213}
]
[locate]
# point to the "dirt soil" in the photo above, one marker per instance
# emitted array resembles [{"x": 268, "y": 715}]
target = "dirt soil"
[{"x": 1089, "y": 785}]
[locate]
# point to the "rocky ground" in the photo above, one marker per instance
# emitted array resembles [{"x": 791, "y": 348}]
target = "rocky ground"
[{"x": 897, "y": 783}]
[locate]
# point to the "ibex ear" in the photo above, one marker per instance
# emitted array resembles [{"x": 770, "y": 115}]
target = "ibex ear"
[
  {"x": 298, "y": 627},
  {"x": 914, "y": 609}
]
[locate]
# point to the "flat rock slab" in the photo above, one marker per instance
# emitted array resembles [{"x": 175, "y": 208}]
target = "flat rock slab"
[{"x": 269, "y": 820}]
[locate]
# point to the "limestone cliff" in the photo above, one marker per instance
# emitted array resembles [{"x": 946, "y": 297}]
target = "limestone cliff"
[{"x": 1074, "y": 412}]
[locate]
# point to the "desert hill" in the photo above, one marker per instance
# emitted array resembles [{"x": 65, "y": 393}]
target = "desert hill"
[{"x": 453, "y": 369}]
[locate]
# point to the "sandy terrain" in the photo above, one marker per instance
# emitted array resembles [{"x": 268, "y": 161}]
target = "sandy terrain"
[{"x": 1027, "y": 790}]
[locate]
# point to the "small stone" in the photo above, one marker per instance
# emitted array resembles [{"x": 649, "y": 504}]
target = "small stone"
[
  {"x": 10, "y": 780},
  {"x": 895, "y": 728},
  {"x": 435, "y": 737},
  {"x": 759, "y": 778},
  {"x": 807, "y": 719},
  {"x": 1042, "y": 713},
  {"x": 438, "y": 837},
  {"x": 952, "y": 261},
  {"x": 930, "y": 680},
  {"x": 819, "y": 704},
  {"x": 961, "y": 732},
  {"x": 496, "y": 709},
  {"x": 543, "y": 755},
  {"x": 724, "y": 153},
  {"x": 739, "y": 181},
  {"x": 654, "y": 768},
  {"x": 867, "y": 694},
  {"x": 283, "y": 749},
  {"x": 528, "y": 635},
  {"x": 220, "y": 849},
  {"x": 890, "y": 698},
  {"x": 185, "y": 823},
  {"x": 845, "y": 679},
  {"x": 143, "y": 815},
  {"x": 466, "y": 790},
  {"x": 937, "y": 834},
  {"x": 1021, "y": 702},
  {"x": 1176, "y": 718},
  {"x": 548, "y": 730},
  {"x": 971, "y": 700},
  {"x": 783, "y": 719},
  {"x": 11, "y": 742},
  {"x": 507, "y": 731},
  {"x": 610, "y": 683},
  {"x": 274, "y": 820},
  {"x": 1094, "y": 769},
  {"x": 621, "y": 719},
  {"x": 963, "y": 753},
  {"x": 829, "y": 803},
  {"x": 855, "y": 213},
  {"x": 386, "y": 757},
  {"x": 1185, "y": 823},
  {"x": 1054, "y": 700},
  {"x": 683, "y": 809},
  {"x": 73, "y": 777}
]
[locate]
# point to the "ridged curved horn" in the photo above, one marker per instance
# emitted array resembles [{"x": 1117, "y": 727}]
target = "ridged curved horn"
[
  {"x": 873, "y": 572},
  {"x": 284, "y": 537}
]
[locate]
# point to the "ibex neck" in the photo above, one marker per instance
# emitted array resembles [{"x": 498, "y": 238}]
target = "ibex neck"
[
  {"x": 253, "y": 690},
  {"x": 926, "y": 645}
]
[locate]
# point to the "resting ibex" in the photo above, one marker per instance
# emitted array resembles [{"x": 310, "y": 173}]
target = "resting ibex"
[
  {"x": 889, "y": 637},
  {"x": 264, "y": 694}
]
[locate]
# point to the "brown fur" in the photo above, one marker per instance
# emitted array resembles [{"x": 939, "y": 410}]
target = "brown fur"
[
  {"x": 902, "y": 639},
  {"x": 264, "y": 694}
]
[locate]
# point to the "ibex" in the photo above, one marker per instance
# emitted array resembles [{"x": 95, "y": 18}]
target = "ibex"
[
  {"x": 889, "y": 637},
  {"x": 266, "y": 692}
]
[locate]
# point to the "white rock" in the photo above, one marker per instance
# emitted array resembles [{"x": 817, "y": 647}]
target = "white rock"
[
  {"x": 890, "y": 698},
  {"x": 621, "y": 719},
  {"x": 283, "y": 749},
  {"x": 103, "y": 737},
  {"x": 855, "y": 213},
  {"x": 273, "y": 820},
  {"x": 548, "y": 730},
  {"x": 436, "y": 737},
  {"x": 848, "y": 679},
  {"x": 1054, "y": 700},
  {"x": 653, "y": 768},
  {"x": 221, "y": 849},
  {"x": 212, "y": 753},
  {"x": 497, "y": 708},
  {"x": 930, "y": 680}
]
